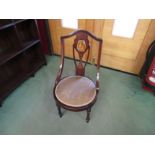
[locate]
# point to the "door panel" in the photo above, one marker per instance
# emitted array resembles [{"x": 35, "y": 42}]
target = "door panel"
[
  {"x": 124, "y": 47},
  {"x": 124, "y": 53}
]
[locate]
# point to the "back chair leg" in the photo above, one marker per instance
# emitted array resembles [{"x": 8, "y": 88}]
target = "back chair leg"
[
  {"x": 88, "y": 115},
  {"x": 59, "y": 110}
]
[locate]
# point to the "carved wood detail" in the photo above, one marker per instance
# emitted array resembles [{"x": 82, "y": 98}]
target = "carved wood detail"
[{"x": 80, "y": 48}]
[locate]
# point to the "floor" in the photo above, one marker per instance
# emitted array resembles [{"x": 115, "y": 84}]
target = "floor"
[{"x": 123, "y": 107}]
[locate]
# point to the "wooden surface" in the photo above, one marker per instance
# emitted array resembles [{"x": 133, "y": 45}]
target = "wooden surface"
[
  {"x": 125, "y": 54},
  {"x": 20, "y": 53},
  {"x": 77, "y": 93},
  {"x": 149, "y": 37}
]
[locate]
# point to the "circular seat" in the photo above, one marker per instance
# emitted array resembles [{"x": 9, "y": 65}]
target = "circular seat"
[{"x": 75, "y": 91}]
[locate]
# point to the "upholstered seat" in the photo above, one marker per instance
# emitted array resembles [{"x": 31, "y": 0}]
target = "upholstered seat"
[{"x": 75, "y": 91}]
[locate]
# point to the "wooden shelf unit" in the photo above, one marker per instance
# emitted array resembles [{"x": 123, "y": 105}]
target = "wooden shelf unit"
[{"x": 20, "y": 53}]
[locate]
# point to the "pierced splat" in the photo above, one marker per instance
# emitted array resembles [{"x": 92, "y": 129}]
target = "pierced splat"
[
  {"x": 81, "y": 46},
  {"x": 81, "y": 42}
]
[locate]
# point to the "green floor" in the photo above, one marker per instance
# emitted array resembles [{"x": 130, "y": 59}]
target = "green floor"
[{"x": 123, "y": 107}]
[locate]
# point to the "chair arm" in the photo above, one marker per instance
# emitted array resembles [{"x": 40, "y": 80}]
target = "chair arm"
[
  {"x": 97, "y": 81},
  {"x": 62, "y": 62},
  {"x": 59, "y": 74}
]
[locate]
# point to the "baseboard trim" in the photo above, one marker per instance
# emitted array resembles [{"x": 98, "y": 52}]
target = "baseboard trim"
[{"x": 102, "y": 66}]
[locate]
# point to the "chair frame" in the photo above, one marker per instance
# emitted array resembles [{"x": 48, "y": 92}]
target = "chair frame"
[{"x": 80, "y": 35}]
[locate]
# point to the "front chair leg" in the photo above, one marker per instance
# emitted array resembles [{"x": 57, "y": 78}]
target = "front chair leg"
[
  {"x": 59, "y": 110},
  {"x": 88, "y": 115}
]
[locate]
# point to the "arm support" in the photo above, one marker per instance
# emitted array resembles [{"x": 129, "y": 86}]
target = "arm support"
[
  {"x": 97, "y": 81},
  {"x": 59, "y": 74},
  {"x": 58, "y": 78}
]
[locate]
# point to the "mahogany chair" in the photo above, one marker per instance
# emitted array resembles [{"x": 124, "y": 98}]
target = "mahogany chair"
[{"x": 77, "y": 92}]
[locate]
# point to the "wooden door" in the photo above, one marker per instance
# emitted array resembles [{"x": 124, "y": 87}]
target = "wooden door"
[
  {"x": 57, "y": 30},
  {"x": 122, "y": 53}
]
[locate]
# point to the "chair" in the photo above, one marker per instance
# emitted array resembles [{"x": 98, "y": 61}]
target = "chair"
[{"x": 77, "y": 92}]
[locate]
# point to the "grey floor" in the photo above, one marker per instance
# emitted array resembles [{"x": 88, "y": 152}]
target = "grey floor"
[{"x": 123, "y": 107}]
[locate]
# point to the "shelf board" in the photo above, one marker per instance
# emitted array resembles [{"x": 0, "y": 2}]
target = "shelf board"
[
  {"x": 20, "y": 53},
  {"x": 29, "y": 44},
  {"x": 11, "y": 53},
  {"x": 21, "y": 20},
  {"x": 12, "y": 24},
  {"x": 6, "y": 26}
]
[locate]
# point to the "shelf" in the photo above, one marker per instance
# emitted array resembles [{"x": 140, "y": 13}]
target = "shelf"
[
  {"x": 12, "y": 23},
  {"x": 20, "y": 20},
  {"x": 20, "y": 53},
  {"x": 11, "y": 53},
  {"x": 17, "y": 80},
  {"x": 29, "y": 44},
  {"x": 27, "y": 31},
  {"x": 6, "y": 26}
]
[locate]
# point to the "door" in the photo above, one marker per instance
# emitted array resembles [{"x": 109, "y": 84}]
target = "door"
[
  {"x": 121, "y": 50},
  {"x": 124, "y": 52}
]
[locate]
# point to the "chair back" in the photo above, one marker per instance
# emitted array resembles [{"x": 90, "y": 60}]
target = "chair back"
[{"x": 81, "y": 49}]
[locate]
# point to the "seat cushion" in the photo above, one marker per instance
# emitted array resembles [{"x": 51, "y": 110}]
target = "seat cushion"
[{"x": 75, "y": 91}]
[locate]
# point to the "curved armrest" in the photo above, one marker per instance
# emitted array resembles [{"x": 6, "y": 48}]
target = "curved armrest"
[
  {"x": 58, "y": 78},
  {"x": 62, "y": 63},
  {"x": 59, "y": 74}
]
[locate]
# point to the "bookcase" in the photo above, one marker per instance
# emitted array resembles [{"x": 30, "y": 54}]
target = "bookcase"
[{"x": 20, "y": 53}]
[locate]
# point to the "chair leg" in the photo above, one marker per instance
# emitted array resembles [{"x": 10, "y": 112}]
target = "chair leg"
[
  {"x": 88, "y": 115},
  {"x": 59, "y": 111}
]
